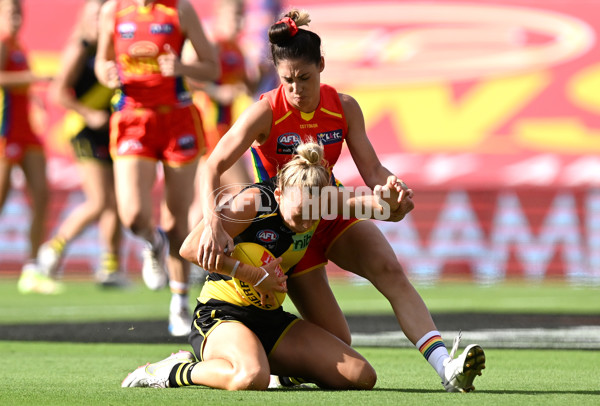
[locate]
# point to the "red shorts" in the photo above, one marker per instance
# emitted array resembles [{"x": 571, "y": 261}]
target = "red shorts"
[
  {"x": 170, "y": 134},
  {"x": 327, "y": 232},
  {"x": 18, "y": 139}
]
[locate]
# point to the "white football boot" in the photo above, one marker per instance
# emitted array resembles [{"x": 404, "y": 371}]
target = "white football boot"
[
  {"x": 156, "y": 375},
  {"x": 461, "y": 372},
  {"x": 154, "y": 268}
]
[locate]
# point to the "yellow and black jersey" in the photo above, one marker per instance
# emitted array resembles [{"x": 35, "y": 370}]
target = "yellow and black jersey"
[{"x": 268, "y": 230}]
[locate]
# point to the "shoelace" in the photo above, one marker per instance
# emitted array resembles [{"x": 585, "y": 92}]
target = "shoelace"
[{"x": 455, "y": 344}]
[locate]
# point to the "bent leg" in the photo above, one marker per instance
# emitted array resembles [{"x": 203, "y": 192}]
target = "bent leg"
[
  {"x": 233, "y": 359},
  {"x": 109, "y": 224},
  {"x": 311, "y": 293},
  {"x": 5, "y": 170},
  {"x": 96, "y": 194},
  {"x": 363, "y": 250},
  {"x": 309, "y": 352},
  {"x": 179, "y": 195},
  {"x": 34, "y": 168},
  {"x": 134, "y": 179}
]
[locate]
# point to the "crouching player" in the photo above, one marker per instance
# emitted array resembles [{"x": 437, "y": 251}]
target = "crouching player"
[{"x": 241, "y": 342}]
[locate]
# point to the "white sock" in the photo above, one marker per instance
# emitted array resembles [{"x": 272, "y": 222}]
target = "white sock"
[
  {"x": 179, "y": 296},
  {"x": 178, "y": 302},
  {"x": 433, "y": 349}
]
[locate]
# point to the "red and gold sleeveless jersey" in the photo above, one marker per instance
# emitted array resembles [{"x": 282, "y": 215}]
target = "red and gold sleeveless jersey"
[
  {"x": 326, "y": 125},
  {"x": 140, "y": 36},
  {"x": 14, "y": 101}
]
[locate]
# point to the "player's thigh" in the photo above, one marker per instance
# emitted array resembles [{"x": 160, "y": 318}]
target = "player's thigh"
[
  {"x": 311, "y": 294},
  {"x": 310, "y": 352},
  {"x": 362, "y": 249},
  {"x": 236, "y": 343},
  {"x": 134, "y": 180}
]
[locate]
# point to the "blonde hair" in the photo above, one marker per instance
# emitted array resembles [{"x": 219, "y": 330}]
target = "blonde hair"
[{"x": 307, "y": 169}]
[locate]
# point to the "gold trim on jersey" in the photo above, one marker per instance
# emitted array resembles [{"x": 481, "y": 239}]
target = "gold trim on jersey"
[
  {"x": 324, "y": 110},
  {"x": 282, "y": 335},
  {"x": 307, "y": 116},
  {"x": 284, "y": 117},
  {"x": 124, "y": 11}
]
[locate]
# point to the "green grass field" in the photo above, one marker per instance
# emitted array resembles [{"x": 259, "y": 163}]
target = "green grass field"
[
  {"x": 83, "y": 301},
  {"x": 43, "y": 373}
]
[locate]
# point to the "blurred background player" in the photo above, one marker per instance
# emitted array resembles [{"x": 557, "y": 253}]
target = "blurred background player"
[
  {"x": 18, "y": 142},
  {"x": 139, "y": 49},
  {"x": 76, "y": 88},
  {"x": 220, "y": 100},
  {"x": 217, "y": 100}
]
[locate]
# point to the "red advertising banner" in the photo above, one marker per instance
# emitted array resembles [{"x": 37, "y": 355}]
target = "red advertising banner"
[{"x": 489, "y": 110}]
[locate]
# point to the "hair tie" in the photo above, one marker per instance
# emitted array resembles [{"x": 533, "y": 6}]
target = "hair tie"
[{"x": 290, "y": 23}]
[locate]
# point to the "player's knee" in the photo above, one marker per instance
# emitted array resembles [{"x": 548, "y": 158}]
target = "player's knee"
[
  {"x": 388, "y": 272},
  {"x": 367, "y": 378},
  {"x": 136, "y": 221},
  {"x": 255, "y": 378}
]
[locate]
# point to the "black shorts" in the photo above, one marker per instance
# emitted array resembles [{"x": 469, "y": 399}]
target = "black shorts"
[
  {"x": 268, "y": 325},
  {"x": 93, "y": 144}
]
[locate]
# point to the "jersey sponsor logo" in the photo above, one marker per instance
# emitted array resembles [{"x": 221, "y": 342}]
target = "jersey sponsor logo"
[
  {"x": 330, "y": 137},
  {"x": 143, "y": 49},
  {"x": 301, "y": 241},
  {"x": 18, "y": 57},
  {"x": 129, "y": 146},
  {"x": 187, "y": 141},
  {"x": 138, "y": 66},
  {"x": 287, "y": 143},
  {"x": 13, "y": 151},
  {"x": 161, "y": 28},
  {"x": 126, "y": 30},
  {"x": 267, "y": 236}
]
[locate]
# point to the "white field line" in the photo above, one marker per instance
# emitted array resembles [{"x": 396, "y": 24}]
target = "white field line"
[{"x": 580, "y": 337}]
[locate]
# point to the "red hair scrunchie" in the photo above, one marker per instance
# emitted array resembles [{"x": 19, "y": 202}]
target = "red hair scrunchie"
[{"x": 290, "y": 23}]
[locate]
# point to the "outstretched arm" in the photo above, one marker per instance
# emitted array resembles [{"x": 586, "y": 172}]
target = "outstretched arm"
[{"x": 253, "y": 125}]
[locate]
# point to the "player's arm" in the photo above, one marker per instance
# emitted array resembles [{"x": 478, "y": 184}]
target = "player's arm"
[
  {"x": 105, "y": 65},
  {"x": 385, "y": 203},
  {"x": 238, "y": 213},
  {"x": 73, "y": 60},
  {"x": 205, "y": 65},
  {"x": 253, "y": 125},
  {"x": 367, "y": 162},
  {"x": 16, "y": 78}
]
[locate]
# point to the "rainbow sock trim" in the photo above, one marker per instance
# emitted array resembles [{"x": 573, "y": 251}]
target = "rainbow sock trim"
[{"x": 429, "y": 346}]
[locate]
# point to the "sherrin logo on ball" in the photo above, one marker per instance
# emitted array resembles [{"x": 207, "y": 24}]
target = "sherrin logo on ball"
[{"x": 256, "y": 255}]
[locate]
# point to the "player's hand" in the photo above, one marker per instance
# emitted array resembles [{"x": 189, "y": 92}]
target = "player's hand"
[
  {"x": 96, "y": 119},
  {"x": 168, "y": 62},
  {"x": 275, "y": 282},
  {"x": 112, "y": 75},
  {"x": 213, "y": 246},
  {"x": 403, "y": 204}
]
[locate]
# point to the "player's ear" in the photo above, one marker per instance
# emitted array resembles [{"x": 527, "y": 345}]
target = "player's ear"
[
  {"x": 322, "y": 65},
  {"x": 277, "y": 194}
]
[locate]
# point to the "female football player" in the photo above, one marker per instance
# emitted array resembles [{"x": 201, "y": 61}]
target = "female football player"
[
  {"x": 303, "y": 107},
  {"x": 240, "y": 343}
]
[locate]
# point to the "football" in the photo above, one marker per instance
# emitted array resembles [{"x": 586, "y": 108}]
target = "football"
[{"x": 256, "y": 255}]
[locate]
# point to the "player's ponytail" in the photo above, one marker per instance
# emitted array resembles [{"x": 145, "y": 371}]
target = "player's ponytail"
[
  {"x": 290, "y": 42},
  {"x": 308, "y": 168}
]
